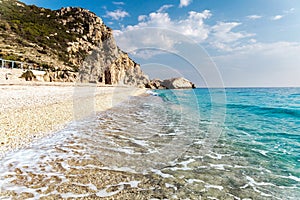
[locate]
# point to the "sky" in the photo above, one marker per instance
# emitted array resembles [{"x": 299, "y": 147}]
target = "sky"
[{"x": 214, "y": 43}]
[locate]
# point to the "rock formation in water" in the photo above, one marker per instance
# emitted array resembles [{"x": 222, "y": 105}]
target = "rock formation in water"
[{"x": 173, "y": 83}]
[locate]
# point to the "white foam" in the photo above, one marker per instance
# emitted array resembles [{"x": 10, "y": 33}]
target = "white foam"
[
  {"x": 219, "y": 187},
  {"x": 294, "y": 178},
  {"x": 262, "y": 152},
  {"x": 104, "y": 193},
  {"x": 216, "y": 156},
  {"x": 140, "y": 142},
  {"x": 253, "y": 182},
  {"x": 235, "y": 197},
  {"x": 220, "y": 166},
  {"x": 151, "y": 93},
  {"x": 245, "y": 186},
  {"x": 65, "y": 165},
  {"x": 213, "y": 198},
  {"x": 191, "y": 181},
  {"x": 168, "y": 185},
  {"x": 160, "y": 173},
  {"x": 200, "y": 142},
  {"x": 184, "y": 165},
  {"x": 72, "y": 195}
]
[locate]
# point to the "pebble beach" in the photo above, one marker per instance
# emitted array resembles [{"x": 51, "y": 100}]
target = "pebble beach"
[{"x": 31, "y": 110}]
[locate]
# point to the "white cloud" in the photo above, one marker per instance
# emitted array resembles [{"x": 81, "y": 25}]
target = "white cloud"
[
  {"x": 164, "y": 8},
  {"x": 220, "y": 36},
  {"x": 224, "y": 38},
  {"x": 117, "y": 14},
  {"x": 277, "y": 17},
  {"x": 118, "y": 3},
  {"x": 184, "y": 3},
  {"x": 254, "y": 17},
  {"x": 142, "y": 17},
  {"x": 157, "y": 27},
  {"x": 222, "y": 31},
  {"x": 194, "y": 25},
  {"x": 244, "y": 61}
]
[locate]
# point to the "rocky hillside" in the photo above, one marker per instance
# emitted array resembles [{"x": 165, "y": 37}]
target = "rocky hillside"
[{"x": 69, "y": 39}]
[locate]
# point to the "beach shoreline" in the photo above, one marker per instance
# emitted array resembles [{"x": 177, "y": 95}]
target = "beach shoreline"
[{"x": 33, "y": 110}]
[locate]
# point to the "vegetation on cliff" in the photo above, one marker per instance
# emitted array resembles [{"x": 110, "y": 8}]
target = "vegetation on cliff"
[
  {"x": 24, "y": 28},
  {"x": 69, "y": 39}
]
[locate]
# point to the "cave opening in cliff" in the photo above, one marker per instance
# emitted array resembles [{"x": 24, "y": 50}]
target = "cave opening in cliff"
[{"x": 107, "y": 77}]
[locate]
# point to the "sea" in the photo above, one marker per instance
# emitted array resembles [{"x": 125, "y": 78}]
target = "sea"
[{"x": 221, "y": 143}]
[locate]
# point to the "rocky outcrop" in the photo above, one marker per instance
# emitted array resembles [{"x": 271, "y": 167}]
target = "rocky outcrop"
[
  {"x": 70, "y": 43},
  {"x": 105, "y": 62},
  {"x": 173, "y": 83},
  {"x": 60, "y": 76},
  {"x": 155, "y": 84},
  {"x": 88, "y": 29},
  {"x": 109, "y": 65}
]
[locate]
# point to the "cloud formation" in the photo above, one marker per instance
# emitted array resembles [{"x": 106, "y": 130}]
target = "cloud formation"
[
  {"x": 184, "y": 3},
  {"x": 192, "y": 26},
  {"x": 254, "y": 17},
  {"x": 220, "y": 36},
  {"x": 164, "y": 8},
  {"x": 237, "y": 53},
  {"x": 117, "y": 14},
  {"x": 157, "y": 30},
  {"x": 224, "y": 38},
  {"x": 277, "y": 17}
]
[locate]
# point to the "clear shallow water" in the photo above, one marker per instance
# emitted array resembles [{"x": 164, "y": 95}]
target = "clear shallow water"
[{"x": 184, "y": 144}]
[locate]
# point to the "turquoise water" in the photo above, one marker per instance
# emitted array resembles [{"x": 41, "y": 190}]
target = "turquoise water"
[
  {"x": 260, "y": 133},
  {"x": 175, "y": 144}
]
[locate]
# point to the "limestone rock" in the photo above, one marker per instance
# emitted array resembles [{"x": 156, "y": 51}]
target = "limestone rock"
[
  {"x": 173, "y": 83},
  {"x": 155, "y": 84},
  {"x": 60, "y": 76},
  {"x": 109, "y": 65},
  {"x": 178, "y": 83}
]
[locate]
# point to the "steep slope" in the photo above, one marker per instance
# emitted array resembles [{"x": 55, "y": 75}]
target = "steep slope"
[{"x": 69, "y": 39}]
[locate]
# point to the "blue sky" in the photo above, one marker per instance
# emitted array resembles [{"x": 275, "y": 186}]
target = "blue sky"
[{"x": 212, "y": 42}]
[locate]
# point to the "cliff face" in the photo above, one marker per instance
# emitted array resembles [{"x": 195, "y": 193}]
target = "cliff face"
[
  {"x": 69, "y": 39},
  {"x": 105, "y": 62}
]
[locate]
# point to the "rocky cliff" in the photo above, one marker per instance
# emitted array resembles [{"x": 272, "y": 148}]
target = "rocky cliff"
[{"x": 67, "y": 42}]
